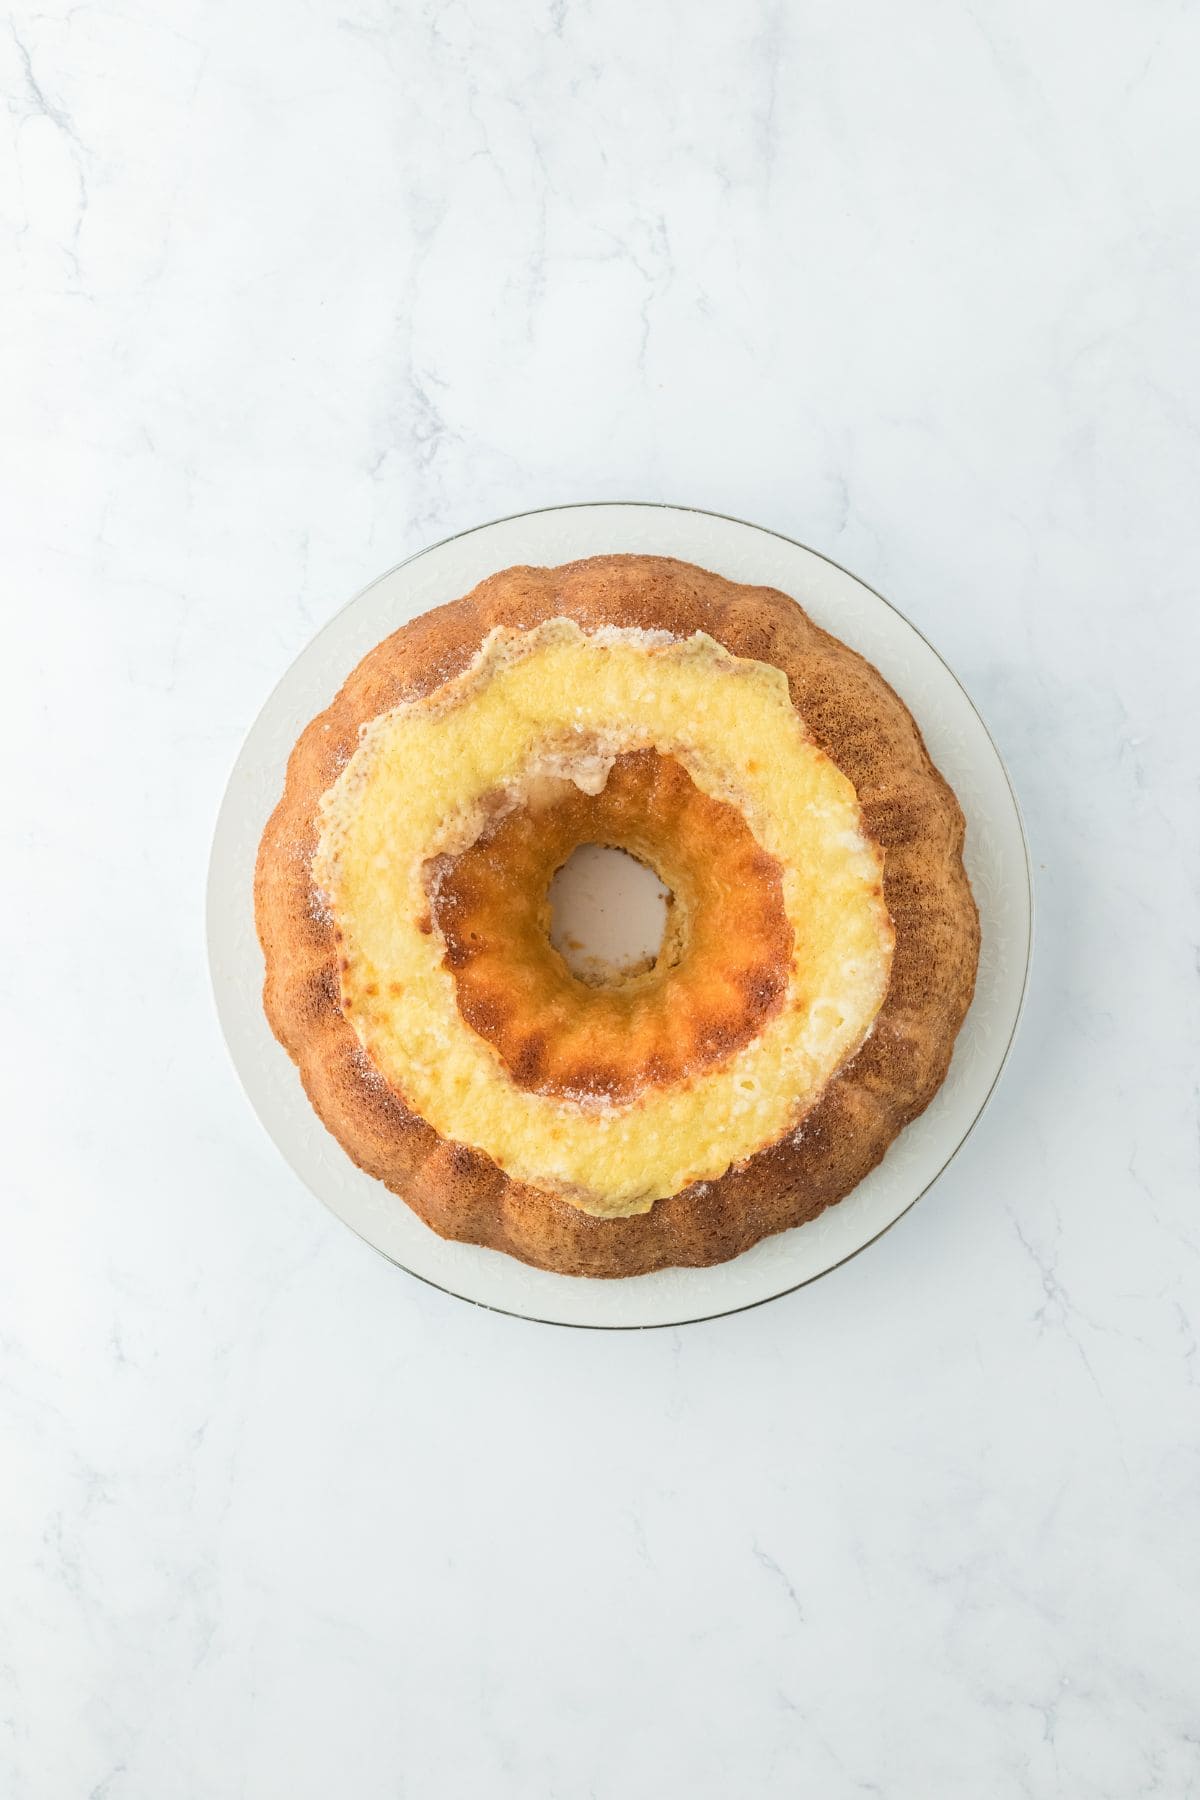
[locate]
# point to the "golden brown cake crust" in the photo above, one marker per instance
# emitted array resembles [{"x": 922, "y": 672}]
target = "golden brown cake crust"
[
  {"x": 553, "y": 1034},
  {"x": 861, "y": 724}
]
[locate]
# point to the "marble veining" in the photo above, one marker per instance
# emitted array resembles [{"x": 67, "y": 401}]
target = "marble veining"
[{"x": 290, "y": 291}]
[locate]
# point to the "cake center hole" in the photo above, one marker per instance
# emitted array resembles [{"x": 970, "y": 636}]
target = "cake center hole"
[{"x": 608, "y": 914}]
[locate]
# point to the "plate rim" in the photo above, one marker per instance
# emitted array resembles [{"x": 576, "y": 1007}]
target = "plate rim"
[{"x": 212, "y": 906}]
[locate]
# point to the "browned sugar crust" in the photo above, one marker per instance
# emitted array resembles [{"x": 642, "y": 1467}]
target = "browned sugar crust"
[
  {"x": 907, "y": 808},
  {"x": 693, "y": 1010}
]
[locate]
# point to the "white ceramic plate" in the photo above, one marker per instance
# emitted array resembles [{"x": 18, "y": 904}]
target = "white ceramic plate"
[{"x": 996, "y": 855}]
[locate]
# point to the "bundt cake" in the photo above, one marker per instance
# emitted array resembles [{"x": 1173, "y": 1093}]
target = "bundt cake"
[{"x": 820, "y": 948}]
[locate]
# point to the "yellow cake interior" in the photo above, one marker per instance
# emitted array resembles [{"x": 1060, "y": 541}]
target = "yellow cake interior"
[{"x": 557, "y": 702}]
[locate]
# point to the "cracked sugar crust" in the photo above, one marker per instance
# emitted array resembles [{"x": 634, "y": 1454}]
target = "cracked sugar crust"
[{"x": 907, "y": 809}]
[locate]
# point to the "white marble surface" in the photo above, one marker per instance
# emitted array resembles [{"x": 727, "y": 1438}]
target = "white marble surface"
[{"x": 289, "y": 290}]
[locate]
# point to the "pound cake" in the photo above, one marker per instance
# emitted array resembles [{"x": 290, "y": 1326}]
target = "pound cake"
[{"x": 818, "y": 959}]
